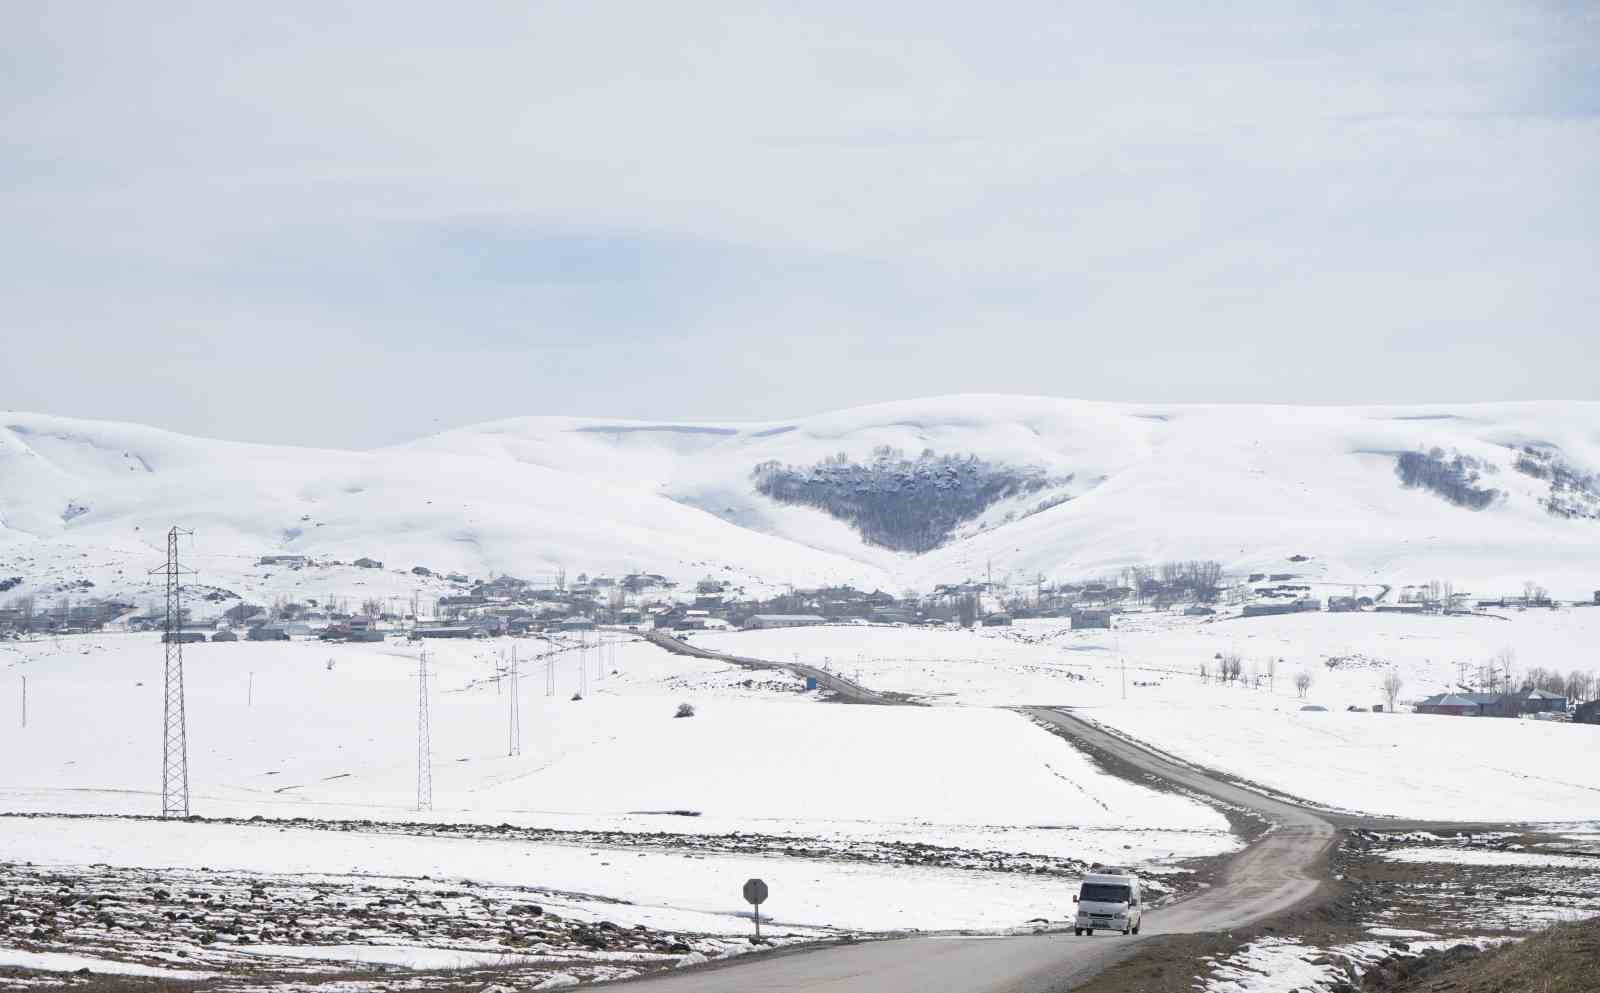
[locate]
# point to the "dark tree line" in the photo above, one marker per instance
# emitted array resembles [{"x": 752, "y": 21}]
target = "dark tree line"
[
  {"x": 1573, "y": 494},
  {"x": 1454, "y": 477},
  {"x": 907, "y": 504}
]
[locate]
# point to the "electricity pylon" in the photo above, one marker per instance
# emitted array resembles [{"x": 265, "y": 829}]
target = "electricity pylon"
[
  {"x": 514, "y": 732},
  {"x": 174, "y": 725},
  {"x": 424, "y": 745}
]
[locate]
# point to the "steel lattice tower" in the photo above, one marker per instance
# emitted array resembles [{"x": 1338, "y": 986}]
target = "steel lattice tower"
[
  {"x": 514, "y": 732},
  {"x": 174, "y": 727},
  {"x": 424, "y": 745}
]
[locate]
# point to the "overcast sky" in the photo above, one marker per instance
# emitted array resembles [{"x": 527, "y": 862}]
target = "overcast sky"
[{"x": 356, "y": 223}]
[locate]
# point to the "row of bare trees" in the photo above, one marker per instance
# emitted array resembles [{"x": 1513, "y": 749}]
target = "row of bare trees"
[
  {"x": 1578, "y": 685},
  {"x": 1263, "y": 675},
  {"x": 1197, "y": 579}
]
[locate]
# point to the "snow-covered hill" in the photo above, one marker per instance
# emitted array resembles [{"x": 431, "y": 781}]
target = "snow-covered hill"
[{"x": 1113, "y": 484}]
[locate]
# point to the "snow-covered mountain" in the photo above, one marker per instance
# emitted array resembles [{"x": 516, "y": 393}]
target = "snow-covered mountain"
[{"x": 1062, "y": 488}]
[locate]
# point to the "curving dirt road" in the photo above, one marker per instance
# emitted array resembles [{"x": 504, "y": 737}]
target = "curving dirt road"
[{"x": 1279, "y": 870}]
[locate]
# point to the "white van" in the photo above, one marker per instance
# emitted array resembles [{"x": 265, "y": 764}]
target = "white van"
[{"x": 1109, "y": 901}]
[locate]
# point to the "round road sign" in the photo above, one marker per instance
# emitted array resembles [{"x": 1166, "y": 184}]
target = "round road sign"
[{"x": 755, "y": 891}]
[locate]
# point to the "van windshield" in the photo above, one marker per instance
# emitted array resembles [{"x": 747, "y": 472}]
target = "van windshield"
[{"x": 1103, "y": 893}]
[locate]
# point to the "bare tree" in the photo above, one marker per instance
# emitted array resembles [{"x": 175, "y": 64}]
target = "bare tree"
[
  {"x": 1302, "y": 684},
  {"x": 372, "y": 608},
  {"x": 1392, "y": 684},
  {"x": 1272, "y": 672},
  {"x": 1579, "y": 686},
  {"x": 967, "y": 608},
  {"x": 1230, "y": 667},
  {"x": 1143, "y": 582},
  {"x": 1504, "y": 663}
]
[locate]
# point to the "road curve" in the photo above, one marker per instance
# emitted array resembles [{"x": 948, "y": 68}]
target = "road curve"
[
  {"x": 841, "y": 686},
  {"x": 1278, "y": 871}
]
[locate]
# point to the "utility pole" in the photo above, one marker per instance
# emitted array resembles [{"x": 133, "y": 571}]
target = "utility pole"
[
  {"x": 514, "y": 732},
  {"x": 1124, "y": 679},
  {"x": 550, "y": 676},
  {"x": 583, "y": 664},
  {"x": 174, "y": 727},
  {"x": 250, "y": 691},
  {"x": 424, "y": 744},
  {"x": 24, "y": 701}
]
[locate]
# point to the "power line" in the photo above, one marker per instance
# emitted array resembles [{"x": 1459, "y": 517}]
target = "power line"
[
  {"x": 174, "y": 726},
  {"x": 424, "y": 745}
]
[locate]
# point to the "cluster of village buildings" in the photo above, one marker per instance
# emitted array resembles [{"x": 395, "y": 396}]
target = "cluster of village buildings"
[{"x": 507, "y": 605}]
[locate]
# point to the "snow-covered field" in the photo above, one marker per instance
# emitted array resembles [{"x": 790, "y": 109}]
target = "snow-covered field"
[
  {"x": 1477, "y": 856},
  {"x": 276, "y": 730},
  {"x": 1248, "y": 486},
  {"x": 1045, "y": 661},
  {"x": 660, "y": 889},
  {"x": 1143, "y": 680}
]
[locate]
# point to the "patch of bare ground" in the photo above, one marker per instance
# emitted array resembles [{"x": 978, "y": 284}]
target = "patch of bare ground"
[
  {"x": 1451, "y": 897},
  {"x": 1564, "y": 958},
  {"x": 1379, "y": 927}
]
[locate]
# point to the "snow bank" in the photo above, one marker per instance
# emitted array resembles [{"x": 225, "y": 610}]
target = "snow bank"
[
  {"x": 16, "y": 958},
  {"x": 689, "y": 892}
]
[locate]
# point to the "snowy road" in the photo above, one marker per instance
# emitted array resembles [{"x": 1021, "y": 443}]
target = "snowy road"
[
  {"x": 1275, "y": 873},
  {"x": 843, "y": 686}
]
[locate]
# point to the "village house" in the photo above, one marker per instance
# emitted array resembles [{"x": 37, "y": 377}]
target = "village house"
[
  {"x": 291, "y": 561},
  {"x": 1091, "y": 619},
  {"x": 1518, "y": 704},
  {"x": 762, "y": 622}
]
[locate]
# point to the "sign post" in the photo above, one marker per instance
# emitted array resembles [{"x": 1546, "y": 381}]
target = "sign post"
[{"x": 755, "y": 894}]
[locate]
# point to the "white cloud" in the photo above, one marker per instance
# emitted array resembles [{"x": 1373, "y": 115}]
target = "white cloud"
[{"x": 897, "y": 183}]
